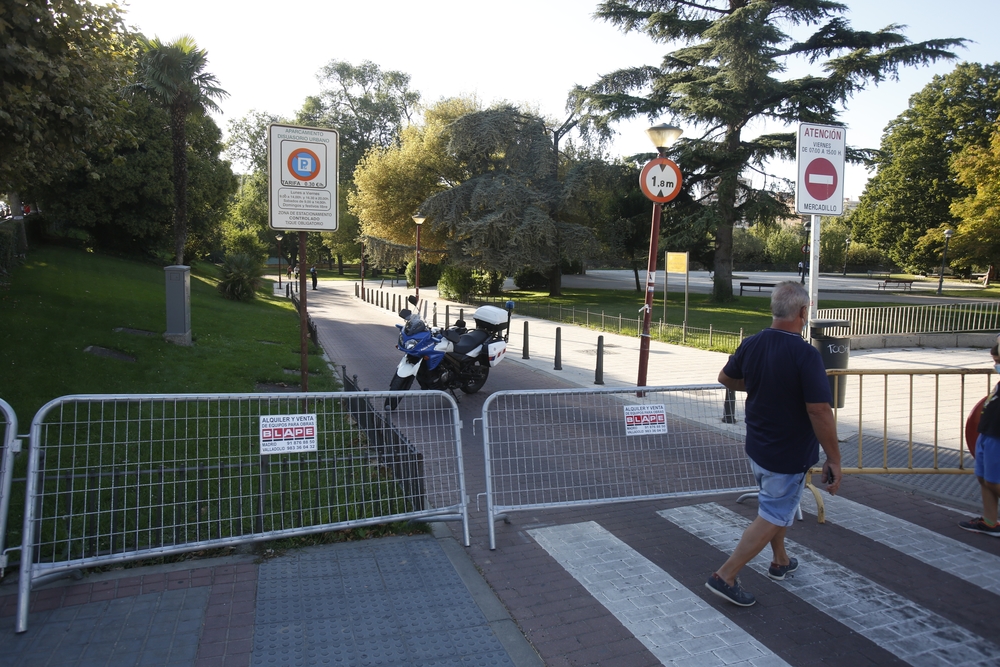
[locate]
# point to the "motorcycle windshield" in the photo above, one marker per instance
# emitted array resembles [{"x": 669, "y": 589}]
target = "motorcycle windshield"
[{"x": 415, "y": 325}]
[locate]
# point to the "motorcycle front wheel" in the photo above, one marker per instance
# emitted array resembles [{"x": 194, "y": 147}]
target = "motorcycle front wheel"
[
  {"x": 475, "y": 377},
  {"x": 397, "y": 384}
]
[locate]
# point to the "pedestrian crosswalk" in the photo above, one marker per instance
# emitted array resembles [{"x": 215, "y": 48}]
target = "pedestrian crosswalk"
[{"x": 679, "y": 627}]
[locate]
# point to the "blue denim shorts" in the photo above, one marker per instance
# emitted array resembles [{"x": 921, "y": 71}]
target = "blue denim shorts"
[
  {"x": 779, "y": 495},
  {"x": 988, "y": 458}
]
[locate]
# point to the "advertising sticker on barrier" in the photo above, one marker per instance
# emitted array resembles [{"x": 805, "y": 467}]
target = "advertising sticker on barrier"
[
  {"x": 645, "y": 419},
  {"x": 281, "y": 434}
]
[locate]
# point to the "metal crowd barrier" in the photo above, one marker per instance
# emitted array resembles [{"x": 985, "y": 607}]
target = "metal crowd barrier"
[
  {"x": 596, "y": 446},
  {"x": 118, "y": 478},
  {"x": 9, "y": 448}
]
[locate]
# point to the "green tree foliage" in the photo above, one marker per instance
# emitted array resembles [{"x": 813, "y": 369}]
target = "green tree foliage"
[
  {"x": 520, "y": 204},
  {"x": 977, "y": 242},
  {"x": 727, "y": 76},
  {"x": 241, "y": 277},
  {"x": 368, "y": 107},
  {"x": 623, "y": 213},
  {"x": 61, "y": 62},
  {"x": 174, "y": 77},
  {"x": 391, "y": 183},
  {"x": 124, "y": 201},
  {"x": 915, "y": 186}
]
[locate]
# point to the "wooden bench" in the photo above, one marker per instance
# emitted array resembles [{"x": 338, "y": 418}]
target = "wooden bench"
[
  {"x": 759, "y": 286},
  {"x": 879, "y": 274},
  {"x": 894, "y": 282}
]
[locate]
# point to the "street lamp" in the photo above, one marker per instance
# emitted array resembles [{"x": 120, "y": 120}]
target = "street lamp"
[
  {"x": 279, "y": 237},
  {"x": 847, "y": 249},
  {"x": 419, "y": 219},
  {"x": 944, "y": 258},
  {"x": 662, "y": 136}
]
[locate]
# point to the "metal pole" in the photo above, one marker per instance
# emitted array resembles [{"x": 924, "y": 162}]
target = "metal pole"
[
  {"x": 944, "y": 260},
  {"x": 847, "y": 250},
  {"x": 524, "y": 347},
  {"x": 303, "y": 317},
  {"x": 416, "y": 277},
  {"x": 814, "y": 268},
  {"x": 558, "y": 364},
  {"x": 654, "y": 239},
  {"x": 279, "y": 262},
  {"x": 599, "y": 372}
]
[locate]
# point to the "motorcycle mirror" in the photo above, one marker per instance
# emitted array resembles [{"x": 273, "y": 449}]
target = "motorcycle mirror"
[
  {"x": 509, "y": 306},
  {"x": 412, "y": 299},
  {"x": 405, "y": 313},
  {"x": 460, "y": 324}
]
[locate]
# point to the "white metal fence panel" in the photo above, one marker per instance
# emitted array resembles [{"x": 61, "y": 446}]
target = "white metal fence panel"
[
  {"x": 594, "y": 446},
  {"x": 9, "y": 447},
  {"x": 115, "y": 478},
  {"x": 937, "y": 318}
]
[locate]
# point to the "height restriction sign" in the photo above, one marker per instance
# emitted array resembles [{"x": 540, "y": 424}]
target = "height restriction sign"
[
  {"x": 820, "y": 150},
  {"x": 660, "y": 180},
  {"x": 302, "y": 178}
]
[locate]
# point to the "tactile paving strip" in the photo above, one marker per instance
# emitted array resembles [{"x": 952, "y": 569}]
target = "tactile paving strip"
[
  {"x": 153, "y": 629},
  {"x": 391, "y": 601}
]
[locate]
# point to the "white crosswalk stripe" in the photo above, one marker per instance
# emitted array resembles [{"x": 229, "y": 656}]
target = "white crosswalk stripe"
[
  {"x": 672, "y": 622},
  {"x": 956, "y": 558},
  {"x": 902, "y": 627}
]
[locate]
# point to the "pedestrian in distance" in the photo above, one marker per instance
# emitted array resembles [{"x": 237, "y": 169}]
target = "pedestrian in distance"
[
  {"x": 988, "y": 459},
  {"x": 789, "y": 416},
  {"x": 312, "y": 272}
]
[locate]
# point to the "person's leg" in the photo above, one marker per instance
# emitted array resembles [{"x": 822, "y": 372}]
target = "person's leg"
[
  {"x": 991, "y": 497},
  {"x": 757, "y": 536},
  {"x": 780, "y": 556}
]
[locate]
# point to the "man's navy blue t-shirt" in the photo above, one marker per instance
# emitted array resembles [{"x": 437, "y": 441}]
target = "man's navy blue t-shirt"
[{"x": 782, "y": 373}]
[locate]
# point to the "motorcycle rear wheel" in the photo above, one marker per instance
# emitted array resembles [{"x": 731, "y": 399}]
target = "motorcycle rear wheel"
[
  {"x": 476, "y": 378},
  {"x": 397, "y": 384}
]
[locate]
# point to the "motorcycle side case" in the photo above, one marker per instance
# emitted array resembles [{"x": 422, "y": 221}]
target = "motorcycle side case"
[{"x": 497, "y": 351}]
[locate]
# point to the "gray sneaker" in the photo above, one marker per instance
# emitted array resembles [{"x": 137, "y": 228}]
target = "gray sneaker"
[
  {"x": 778, "y": 572},
  {"x": 734, "y": 593}
]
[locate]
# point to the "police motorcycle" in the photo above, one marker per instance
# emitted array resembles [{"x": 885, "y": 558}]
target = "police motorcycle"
[{"x": 452, "y": 358}]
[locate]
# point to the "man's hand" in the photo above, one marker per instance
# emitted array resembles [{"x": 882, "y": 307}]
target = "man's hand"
[{"x": 831, "y": 477}]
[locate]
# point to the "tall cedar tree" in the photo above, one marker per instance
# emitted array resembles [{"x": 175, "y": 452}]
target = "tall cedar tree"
[
  {"x": 727, "y": 76},
  {"x": 174, "y": 77}
]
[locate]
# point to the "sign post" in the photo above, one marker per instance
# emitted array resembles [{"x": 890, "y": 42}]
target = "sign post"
[
  {"x": 819, "y": 188},
  {"x": 302, "y": 196},
  {"x": 660, "y": 180}
]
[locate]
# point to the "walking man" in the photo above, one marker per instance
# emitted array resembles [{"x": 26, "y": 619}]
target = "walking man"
[
  {"x": 788, "y": 417},
  {"x": 312, "y": 272}
]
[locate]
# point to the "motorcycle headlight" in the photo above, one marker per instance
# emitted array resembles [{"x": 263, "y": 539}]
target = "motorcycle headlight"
[{"x": 410, "y": 344}]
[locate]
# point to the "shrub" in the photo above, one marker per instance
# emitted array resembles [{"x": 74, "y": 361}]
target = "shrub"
[
  {"x": 8, "y": 247},
  {"x": 488, "y": 282},
  {"x": 241, "y": 277},
  {"x": 455, "y": 283},
  {"x": 530, "y": 279},
  {"x": 429, "y": 274}
]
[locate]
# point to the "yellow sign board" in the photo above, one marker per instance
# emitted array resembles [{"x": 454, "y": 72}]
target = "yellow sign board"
[{"x": 677, "y": 262}]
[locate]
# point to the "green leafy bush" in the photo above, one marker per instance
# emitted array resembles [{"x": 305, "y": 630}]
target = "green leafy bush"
[
  {"x": 530, "y": 279},
  {"x": 455, "y": 283},
  {"x": 8, "y": 247},
  {"x": 429, "y": 274},
  {"x": 488, "y": 282},
  {"x": 241, "y": 277}
]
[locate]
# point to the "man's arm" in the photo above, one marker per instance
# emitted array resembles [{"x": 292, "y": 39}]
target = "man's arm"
[
  {"x": 825, "y": 427},
  {"x": 735, "y": 385}
]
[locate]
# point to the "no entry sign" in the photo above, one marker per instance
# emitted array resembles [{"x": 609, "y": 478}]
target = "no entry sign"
[{"x": 820, "y": 151}]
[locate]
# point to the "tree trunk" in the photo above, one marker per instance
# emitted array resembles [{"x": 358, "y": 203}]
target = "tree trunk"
[
  {"x": 178, "y": 133},
  {"x": 340, "y": 265},
  {"x": 635, "y": 272},
  {"x": 18, "y": 212},
  {"x": 555, "y": 280},
  {"x": 722, "y": 286}
]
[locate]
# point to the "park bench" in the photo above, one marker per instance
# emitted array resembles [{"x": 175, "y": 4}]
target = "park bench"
[
  {"x": 759, "y": 286},
  {"x": 879, "y": 274},
  {"x": 895, "y": 282}
]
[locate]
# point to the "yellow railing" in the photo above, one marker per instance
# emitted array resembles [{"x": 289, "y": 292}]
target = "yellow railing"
[{"x": 907, "y": 421}]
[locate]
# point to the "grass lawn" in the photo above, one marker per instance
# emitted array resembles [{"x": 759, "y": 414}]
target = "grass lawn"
[{"x": 64, "y": 300}]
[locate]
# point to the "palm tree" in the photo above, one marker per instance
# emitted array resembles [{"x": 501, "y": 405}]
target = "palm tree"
[{"x": 174, "y": 77}]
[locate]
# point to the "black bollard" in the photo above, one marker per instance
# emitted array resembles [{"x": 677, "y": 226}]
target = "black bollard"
[
  {"x": 599, "y": 373},
  {"x": 558, "y": 366},
  {"x": 524, "y": 348},
  {"x": 447, "y": 316},
  {"x": 729, "y": 407},
  {"x": 435, "y": 322}
]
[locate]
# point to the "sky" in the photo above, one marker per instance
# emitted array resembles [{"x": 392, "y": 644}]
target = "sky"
[{"x": 531, "y": 52}]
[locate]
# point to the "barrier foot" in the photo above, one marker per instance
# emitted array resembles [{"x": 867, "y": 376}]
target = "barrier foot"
[{"x": 820, "y": 510}]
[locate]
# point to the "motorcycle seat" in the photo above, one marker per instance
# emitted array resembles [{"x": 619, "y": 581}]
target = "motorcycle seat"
[{"x": 471, "y": 341}]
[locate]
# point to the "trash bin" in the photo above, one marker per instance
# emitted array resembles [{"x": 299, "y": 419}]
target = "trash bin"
[{"x": 836, "y": 351}]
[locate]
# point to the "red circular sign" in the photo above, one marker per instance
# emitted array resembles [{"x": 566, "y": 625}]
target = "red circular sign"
[
  {"x": 303, "y": 164},
  {"x": 660, "y": 180},
  {"x": 821, "y": 179}
]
